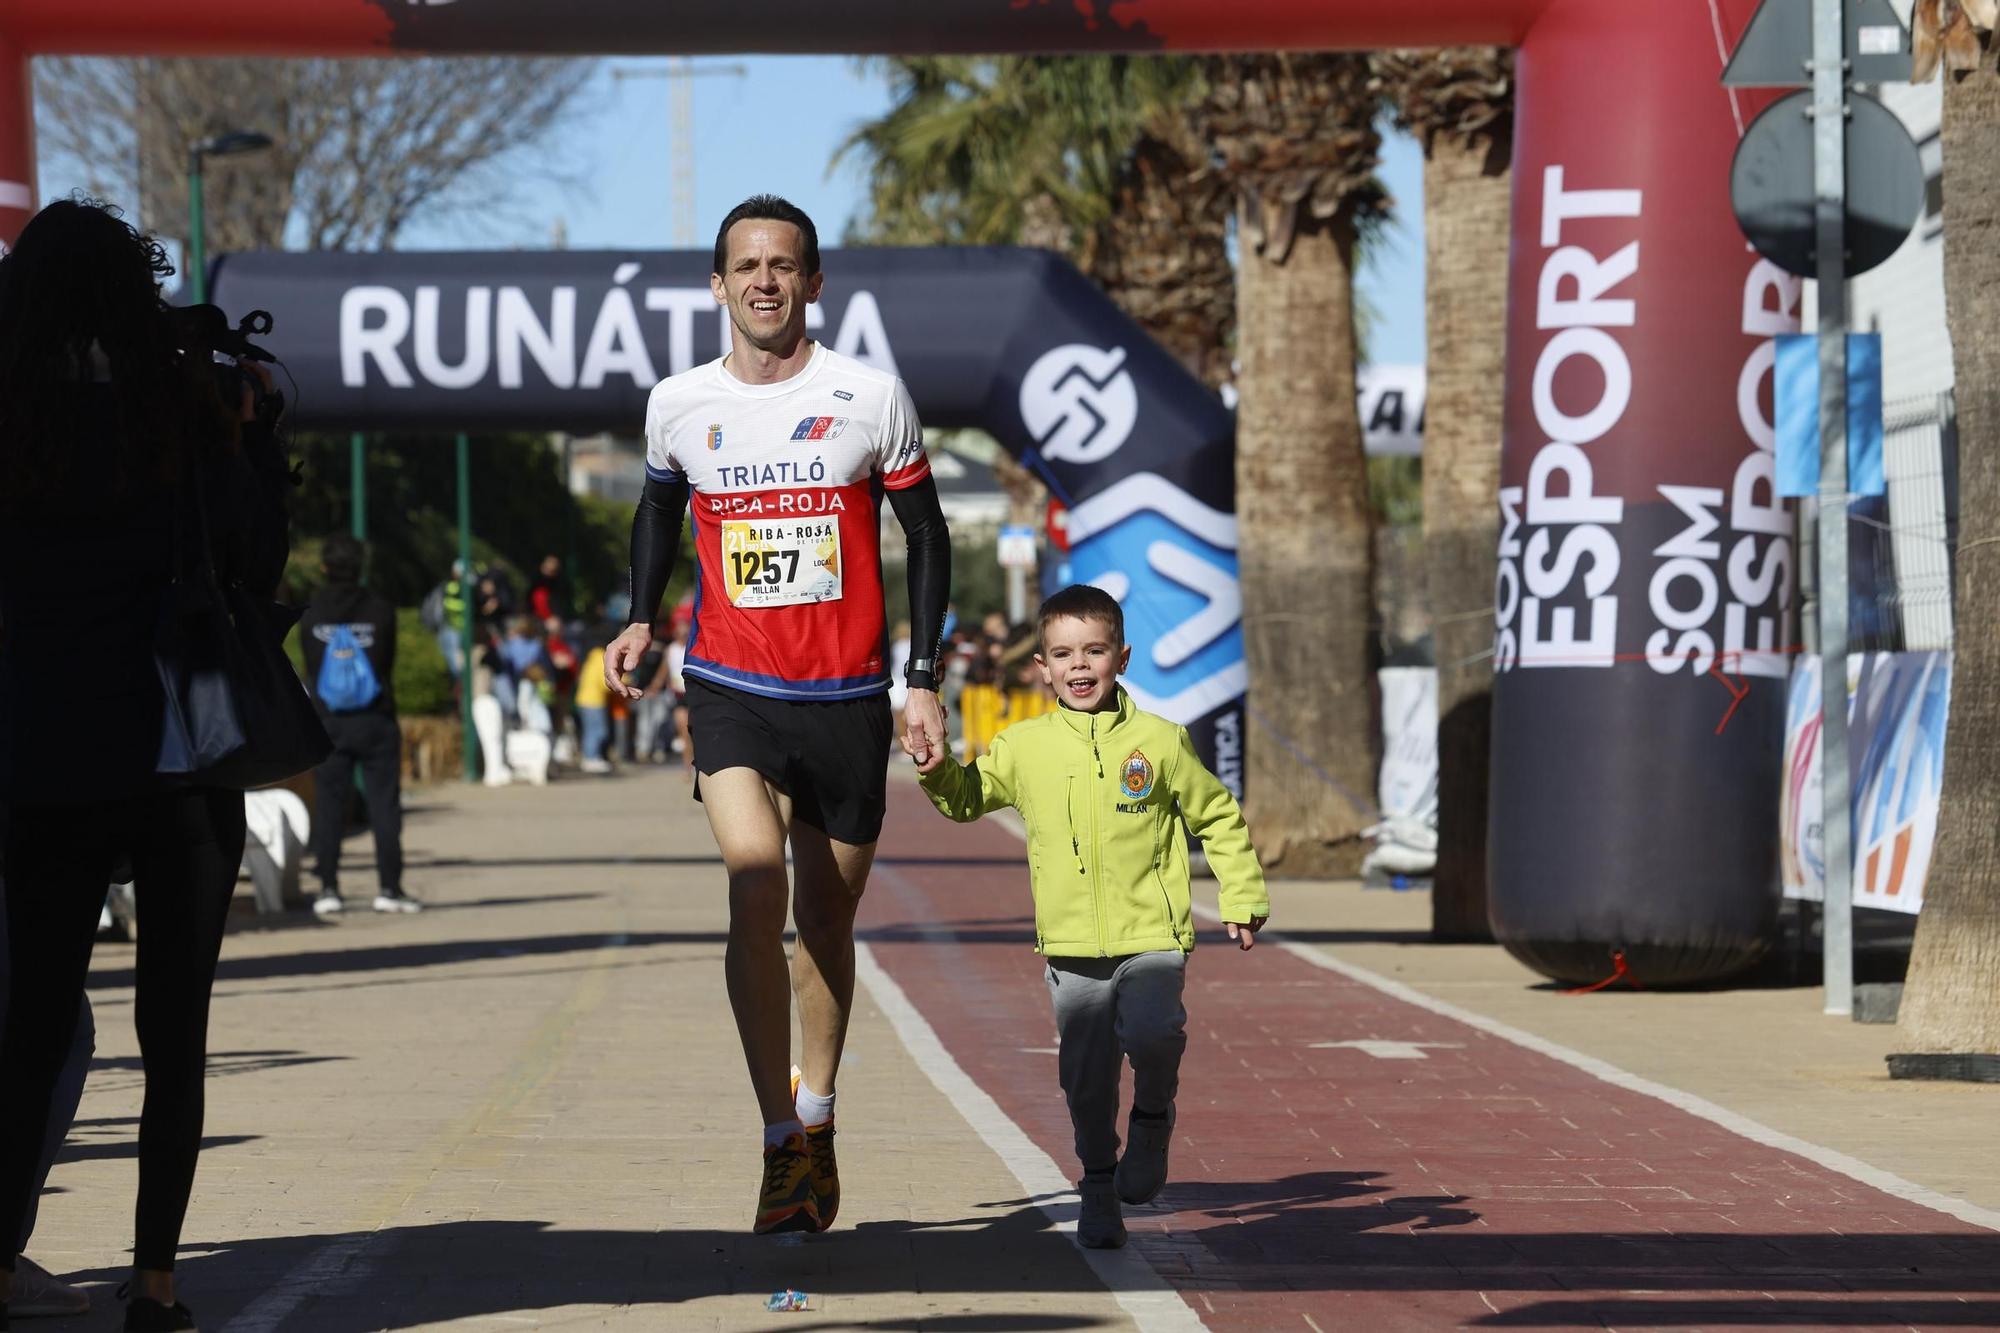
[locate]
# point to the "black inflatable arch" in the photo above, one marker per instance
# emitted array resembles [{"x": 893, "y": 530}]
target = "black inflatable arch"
[{"x": 1014, "y": 341}]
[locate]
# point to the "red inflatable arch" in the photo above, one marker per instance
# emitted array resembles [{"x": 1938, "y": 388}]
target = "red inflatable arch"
[{"x": 1646, "y": 567}]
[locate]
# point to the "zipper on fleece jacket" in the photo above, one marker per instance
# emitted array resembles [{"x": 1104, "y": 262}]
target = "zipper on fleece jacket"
[{"x": 1097, "y": 852}]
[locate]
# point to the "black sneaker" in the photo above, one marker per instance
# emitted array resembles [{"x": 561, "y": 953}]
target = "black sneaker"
[{"x": 146, "y": 1315}]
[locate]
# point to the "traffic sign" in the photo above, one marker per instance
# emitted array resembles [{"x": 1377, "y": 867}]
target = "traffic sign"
[
  {"x": 1017, "y": 546},
  {"x": 1775, "y": 49},
  {"x": 1771, "y": 184}
]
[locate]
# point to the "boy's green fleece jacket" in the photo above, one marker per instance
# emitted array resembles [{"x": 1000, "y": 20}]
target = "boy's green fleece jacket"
[{"x": 1104, "y": 796}]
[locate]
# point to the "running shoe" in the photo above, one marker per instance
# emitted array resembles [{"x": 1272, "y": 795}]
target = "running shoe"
[
  {"x": 328, "y": 904},
  {"x": 397, "y": 902},
  {"x": 1142, "y": 1171},
  {"x": 825, "y": 1170},
  {"x": 1100, "y": 1225},
  {"x": 785, "y": 1202}
]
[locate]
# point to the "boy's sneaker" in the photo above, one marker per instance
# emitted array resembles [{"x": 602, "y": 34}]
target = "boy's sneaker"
[
  {"x": 1142, "y": 1171},
  {"x": 1099, "y": 1226},
  {"x": 37, "y": 1292},
  {"x": 328, "y": 904},
  {"x": 397, "y": 902},
  {"x": 825, "y": 1169},
  {"x": 785, "y": 1203}
]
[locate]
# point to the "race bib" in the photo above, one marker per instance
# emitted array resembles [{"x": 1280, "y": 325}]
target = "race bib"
[{"x": 781, "y": 562}]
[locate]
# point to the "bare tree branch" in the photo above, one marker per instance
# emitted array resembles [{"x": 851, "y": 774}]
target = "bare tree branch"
[{"x": 361, "y": 148}]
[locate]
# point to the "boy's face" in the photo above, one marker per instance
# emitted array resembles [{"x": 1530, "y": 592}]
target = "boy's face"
[{"x": 1082, "y": 660}]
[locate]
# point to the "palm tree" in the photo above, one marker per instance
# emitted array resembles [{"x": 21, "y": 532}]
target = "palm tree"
[
  {"x": 1294, "y": 140},
  {"x": 1460, "y": 104},
  {"x": 1950, "y": 1018},
  {"x": 1087, "y": 156}
]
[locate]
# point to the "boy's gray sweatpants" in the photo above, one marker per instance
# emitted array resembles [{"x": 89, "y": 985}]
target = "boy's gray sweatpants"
[{"x": 1109, "y": 1010}]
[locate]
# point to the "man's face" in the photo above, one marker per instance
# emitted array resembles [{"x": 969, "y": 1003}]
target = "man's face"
[
  {"x": 764, "y": 284},
  {"x": 1081, "y": 660}
]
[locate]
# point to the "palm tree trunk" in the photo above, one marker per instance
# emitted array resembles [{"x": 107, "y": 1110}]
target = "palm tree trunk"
[
  {"x": 1951, "y": 1004},
  {"x": 1306, "y": 554},
  {"x": 1465, "y": 258}
]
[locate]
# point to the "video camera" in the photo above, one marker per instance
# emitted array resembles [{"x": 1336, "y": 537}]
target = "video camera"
[{"x": 207, "y": 338}]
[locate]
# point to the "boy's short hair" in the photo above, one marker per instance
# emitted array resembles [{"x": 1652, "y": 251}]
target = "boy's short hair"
[{"x": 1080, "y": 601}]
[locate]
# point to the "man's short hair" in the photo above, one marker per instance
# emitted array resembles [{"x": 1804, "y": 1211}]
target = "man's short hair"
[
  {"x": 1080, "y": 601},
  {"x": 769, "y": 208},
  {"x": 341, "y": 556}
]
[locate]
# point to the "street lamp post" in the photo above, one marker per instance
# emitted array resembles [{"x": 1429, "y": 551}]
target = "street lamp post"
[{"x": 222, "y": 145}]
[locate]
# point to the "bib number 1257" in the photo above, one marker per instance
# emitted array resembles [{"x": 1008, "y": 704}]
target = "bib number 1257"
[{"x": 781, "y": 562}]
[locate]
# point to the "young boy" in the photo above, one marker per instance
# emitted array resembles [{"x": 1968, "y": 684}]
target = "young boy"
[{"x": 1105, "y": 790}]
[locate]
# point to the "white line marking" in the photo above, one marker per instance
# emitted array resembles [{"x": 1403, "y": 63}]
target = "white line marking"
[
  {"x": 1153, "y": 1304},
  {"x": 1388, "y": 1050},
  {"x": 1852, "y": 1167}
]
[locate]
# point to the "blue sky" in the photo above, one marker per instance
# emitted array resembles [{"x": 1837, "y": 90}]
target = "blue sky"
[{"x": 776, "y": 128}]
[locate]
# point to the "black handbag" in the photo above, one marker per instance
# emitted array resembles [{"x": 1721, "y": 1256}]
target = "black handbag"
[{"x": 236, "y": 713}]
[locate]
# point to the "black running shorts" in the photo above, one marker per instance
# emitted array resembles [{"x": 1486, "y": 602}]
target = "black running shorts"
[{"x": 831, "y": 758}]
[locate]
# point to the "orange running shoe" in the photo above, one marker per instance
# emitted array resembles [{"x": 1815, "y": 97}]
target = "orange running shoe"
[
  {"x": 786, "y": 1200},
  {"x": 825, "y": 1169}
]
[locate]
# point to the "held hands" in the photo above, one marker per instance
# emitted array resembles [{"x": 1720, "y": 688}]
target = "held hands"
[
  {"x": 623, "y": 655},
  {"x": 923, "y": 730},
  {"x": 1244, "y": 934}
]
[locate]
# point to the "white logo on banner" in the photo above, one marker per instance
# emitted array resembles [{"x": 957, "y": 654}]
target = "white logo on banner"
[{"x": 1079, "y": 403}]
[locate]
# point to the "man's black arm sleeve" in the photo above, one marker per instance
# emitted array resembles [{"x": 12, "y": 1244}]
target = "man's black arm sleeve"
[
  {"x": 922, "y": 517},
  {"x": 656, "y": 544}
]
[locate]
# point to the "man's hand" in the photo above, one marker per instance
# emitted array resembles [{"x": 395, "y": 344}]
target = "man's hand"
[
  {"x": 622, "y": 655},
  {"x": 1245, "y": 934},
  {"x": 923, "y": 729}
]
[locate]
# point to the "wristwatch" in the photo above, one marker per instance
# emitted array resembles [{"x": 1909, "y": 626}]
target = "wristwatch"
[{"x": 921, "y": 673}]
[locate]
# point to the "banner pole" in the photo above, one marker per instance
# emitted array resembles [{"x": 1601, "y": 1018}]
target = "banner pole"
[{"x": 468, "y": 585}]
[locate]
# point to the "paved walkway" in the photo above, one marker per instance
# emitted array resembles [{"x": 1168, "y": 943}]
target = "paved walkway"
[{"x": 527, "y": 1109}]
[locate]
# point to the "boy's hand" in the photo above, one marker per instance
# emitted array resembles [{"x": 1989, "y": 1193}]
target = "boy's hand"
[{"x": 1245, "y": 934}]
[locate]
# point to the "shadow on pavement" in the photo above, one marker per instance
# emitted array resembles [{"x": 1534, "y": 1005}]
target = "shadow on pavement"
[
  {"x": 515, "y": 862},
  {"x": 1309, "y": 1233},
  {"x": 402, "y": 1277},
  {"x": 220, "y": 1063},
  {"x": 439, "y": 953},
  {"x": 111, "y": 1150}
]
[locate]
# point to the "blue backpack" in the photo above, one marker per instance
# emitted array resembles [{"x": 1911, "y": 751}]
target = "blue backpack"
[{"x": 347, "y": 682}]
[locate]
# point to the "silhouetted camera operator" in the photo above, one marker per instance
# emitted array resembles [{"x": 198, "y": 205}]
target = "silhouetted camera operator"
[{"x": 122, "y": 439}]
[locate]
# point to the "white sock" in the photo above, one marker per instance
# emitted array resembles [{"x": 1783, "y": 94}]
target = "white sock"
[
  {"x": 778, "y": 1133},
  {"x": 813, "y": 1109}
]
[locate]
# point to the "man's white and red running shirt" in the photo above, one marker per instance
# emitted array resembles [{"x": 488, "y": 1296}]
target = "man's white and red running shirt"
[{"x": 786, "y": 483}]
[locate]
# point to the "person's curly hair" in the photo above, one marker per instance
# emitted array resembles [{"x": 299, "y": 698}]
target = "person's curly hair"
[{"x": 81, "y": 314}]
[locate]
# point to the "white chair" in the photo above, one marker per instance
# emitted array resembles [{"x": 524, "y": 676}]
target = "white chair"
[
  {"x": 280, "y": 829},
  {"x": 491, "y": 725},
  {"x": 528, "y": 754}
]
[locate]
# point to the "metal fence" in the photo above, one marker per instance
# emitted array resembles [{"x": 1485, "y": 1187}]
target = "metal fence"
[{"x": 1901, "y": 545}]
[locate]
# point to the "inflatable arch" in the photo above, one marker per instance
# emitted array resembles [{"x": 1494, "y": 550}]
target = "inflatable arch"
[{"x": 1643, "y": 608}]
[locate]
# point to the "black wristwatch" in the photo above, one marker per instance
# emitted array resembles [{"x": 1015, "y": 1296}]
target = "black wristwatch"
[{"x": 921, "y": 674}]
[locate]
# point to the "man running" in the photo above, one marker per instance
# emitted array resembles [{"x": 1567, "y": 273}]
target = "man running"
[{"x": 785, "y": 448}]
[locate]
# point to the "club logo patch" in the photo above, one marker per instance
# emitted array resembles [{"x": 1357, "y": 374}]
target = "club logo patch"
[
  {"x": 715, "y": 436},
  {"x": 819, "y": 428},
  {"x": 1137, "y": 777}
]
